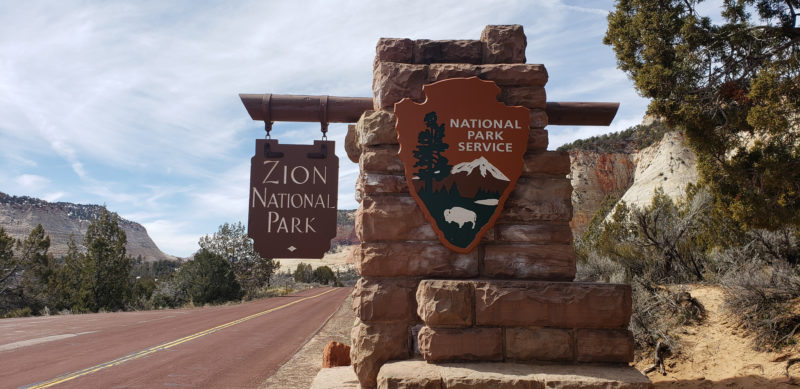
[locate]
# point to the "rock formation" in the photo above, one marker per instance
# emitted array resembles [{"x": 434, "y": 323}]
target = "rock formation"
[
  {"x": 20, "y": 215},
  {"x": 630, "y": 175}
]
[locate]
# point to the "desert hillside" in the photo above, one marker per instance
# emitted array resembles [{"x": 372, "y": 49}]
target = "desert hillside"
[
  {"x": 20, "y": 214},
  {"x": 628, "y": 166}
]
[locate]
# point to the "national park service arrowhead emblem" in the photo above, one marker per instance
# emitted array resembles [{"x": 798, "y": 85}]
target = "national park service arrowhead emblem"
[{"x": 463, "y": 152}]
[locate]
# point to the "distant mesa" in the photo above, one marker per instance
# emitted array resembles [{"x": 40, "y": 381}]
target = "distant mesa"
[{"x": 21, "y": 214}]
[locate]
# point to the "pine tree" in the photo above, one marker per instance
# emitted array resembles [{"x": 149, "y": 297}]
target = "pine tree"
[{"x": 432, "y": 164}]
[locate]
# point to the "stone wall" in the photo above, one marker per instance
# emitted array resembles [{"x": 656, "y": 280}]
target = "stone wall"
[{"x": 510, "y": 298}]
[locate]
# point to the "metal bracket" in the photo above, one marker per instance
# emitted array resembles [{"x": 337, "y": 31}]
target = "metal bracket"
[
  {"x": 268, "y": 153},
  {"x": 266, "y": 108},
  {"x": 323, "y": 152},
  {"x": 323, "y": 116}
]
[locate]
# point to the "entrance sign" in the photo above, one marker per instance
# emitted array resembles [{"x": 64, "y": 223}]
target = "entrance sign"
[
  {"x": 293, "y": 198},
  {"x": 463, "y": 152}
]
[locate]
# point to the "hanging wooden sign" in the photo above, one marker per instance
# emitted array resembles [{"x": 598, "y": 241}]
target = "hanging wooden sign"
[
  {"x": 463, "y": 152},
  {"x": 293, "y": 199}
]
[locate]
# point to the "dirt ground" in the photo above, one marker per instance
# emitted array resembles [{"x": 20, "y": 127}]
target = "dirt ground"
[{"x": 716, "y": 354}]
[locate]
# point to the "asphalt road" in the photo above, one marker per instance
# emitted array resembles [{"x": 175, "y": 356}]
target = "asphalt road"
[{"x": 234, "y": 346}]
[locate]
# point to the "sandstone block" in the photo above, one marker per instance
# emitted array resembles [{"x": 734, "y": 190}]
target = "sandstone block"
[
  {"x": 539, "y": 344},
  {"x": 547, "y": 233},
  {"x": 538, "y": 199},
  {"x": 503, "y": 44},
  {"x": 351, "y": 145},
  {"x": 375, "y": 343},
  {"x": 391, "y": 218},
  {"x": 414, "y": 259},
  {"x": 443, "y": 303},
  {"x": 392, "y": 81},
  {"x": 463, "y": 344},
  {"x": 532, "y": 262},
  {"x": 385, "y": 300},
  {"x": 437, "y": 72},
  {"x": 394, "y": 50},
  {"x": 531, "y": 97},
  {"x": 447, "y": 51},
  {"x": 496, "y": 375},
  {"x": 335, "y": 354},
  {"x": 537, "y": 139},
  {"x": 372, "y": 183},
  {"x": 554, "y": 163},
  {"x": 376, "y": 128},
  {"x": 409, "y": 375},
  {"x": 609, "y": 346},
  {"x": 359, "y": 190},
  {"x": 381, "y": 160},
  {"x": 519, "y": 75},
  {"x": 552, "y": 304},
  {"x": 539, "y": 118}
]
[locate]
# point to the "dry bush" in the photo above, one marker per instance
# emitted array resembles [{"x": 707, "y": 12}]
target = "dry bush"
[
  {"x": 599, "y": 268},
  {"x": 765, "y": 300},
  {"x": 659, "y": 313},
  {"x": 762, "y": 284}
]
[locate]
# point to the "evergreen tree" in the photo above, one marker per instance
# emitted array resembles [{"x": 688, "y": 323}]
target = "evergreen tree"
[
  {"x": 734, "y": 88},
  {"x": 432, "y": 164},
  {"x": 71, "y": 284},
  {"x": 232, "y": 243},
  {"x": 208, "y": 278},
  {"x": 303, "y": 273},
  {"x": 105, "y": 263},
  {"x": 9, "y": 265},
  {"x": 38, "y": 266}
]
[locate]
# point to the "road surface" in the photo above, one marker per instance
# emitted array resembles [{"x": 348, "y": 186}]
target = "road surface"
[{"x": 234, "y": 346}]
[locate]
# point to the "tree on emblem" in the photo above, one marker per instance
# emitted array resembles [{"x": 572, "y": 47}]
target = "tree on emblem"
[{"x": 432, "y": 164}]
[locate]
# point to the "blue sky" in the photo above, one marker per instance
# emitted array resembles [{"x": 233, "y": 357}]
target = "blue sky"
[{"x": 135, "y": 104}]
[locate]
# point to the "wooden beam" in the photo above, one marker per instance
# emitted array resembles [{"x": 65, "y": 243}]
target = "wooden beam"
[{"x": 335, "y": 109}]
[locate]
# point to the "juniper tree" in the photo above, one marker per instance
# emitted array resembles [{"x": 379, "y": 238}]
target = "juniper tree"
[
  {"x": 733, "y": 87},
  {"x": 105, "y": 264}
]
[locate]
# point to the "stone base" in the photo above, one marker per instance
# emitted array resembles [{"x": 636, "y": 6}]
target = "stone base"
[
  {"x": 343, "y": 377},
  {"x": 420, "y": 374}
]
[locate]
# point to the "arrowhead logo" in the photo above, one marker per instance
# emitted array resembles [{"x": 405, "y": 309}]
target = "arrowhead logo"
[{"x": 463, "y": 152}]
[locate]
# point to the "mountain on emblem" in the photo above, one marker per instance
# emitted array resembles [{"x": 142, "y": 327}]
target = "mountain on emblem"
[
  {"x": 463, "y": 152},
  {"x": 484, "y": 167}
]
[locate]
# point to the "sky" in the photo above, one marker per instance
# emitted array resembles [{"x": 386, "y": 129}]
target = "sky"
[{"x": 135, "y": 104}]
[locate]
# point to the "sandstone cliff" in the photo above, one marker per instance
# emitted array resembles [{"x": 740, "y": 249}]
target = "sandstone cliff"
[
  {"x": 19, "y": 215},
  {"x": 629, "y": 174}
]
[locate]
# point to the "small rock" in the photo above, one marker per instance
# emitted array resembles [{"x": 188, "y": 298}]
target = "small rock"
[{"x": 335, "y": 354}]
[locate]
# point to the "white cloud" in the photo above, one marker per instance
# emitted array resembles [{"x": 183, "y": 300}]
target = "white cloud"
[
  {"x": 31, "y": 182},
  {"x": 173, "y": 237}
]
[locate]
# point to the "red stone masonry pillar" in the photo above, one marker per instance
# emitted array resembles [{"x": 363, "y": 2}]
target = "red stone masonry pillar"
[{"x": 509, "y": 299}]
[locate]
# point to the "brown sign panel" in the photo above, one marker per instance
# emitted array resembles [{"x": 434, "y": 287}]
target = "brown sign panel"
[
  {"x": 293, "y": 193},
  {"x": 463, "y": 152}
]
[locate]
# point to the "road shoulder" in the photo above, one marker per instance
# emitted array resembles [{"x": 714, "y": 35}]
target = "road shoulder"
[{"x": 299, "y": 371}]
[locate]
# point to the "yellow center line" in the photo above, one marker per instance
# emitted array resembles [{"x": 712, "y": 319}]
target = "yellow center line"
[{"x": 163, "y": 346}]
